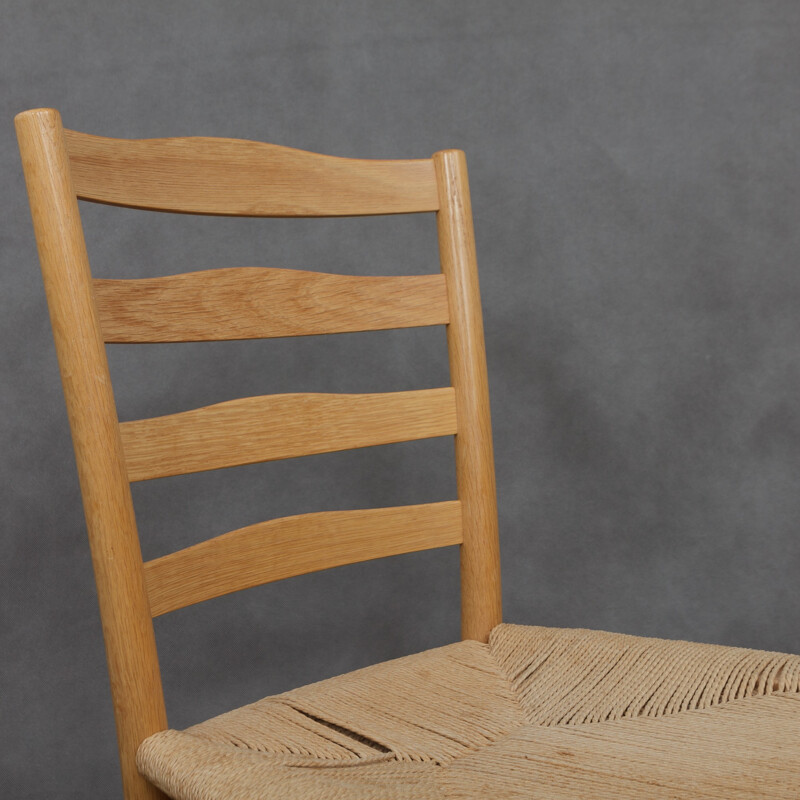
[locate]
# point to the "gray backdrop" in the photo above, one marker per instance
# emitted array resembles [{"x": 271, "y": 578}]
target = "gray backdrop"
[{"x": 634, "y": 170}]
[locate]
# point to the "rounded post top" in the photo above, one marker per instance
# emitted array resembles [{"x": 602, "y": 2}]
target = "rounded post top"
[{"x": 38, "y": 114}]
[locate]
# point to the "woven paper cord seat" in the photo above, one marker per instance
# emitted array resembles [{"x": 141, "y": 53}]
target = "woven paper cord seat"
[
  {"x": 510, "y": 711},
  {"x": 536, "y": 713}
]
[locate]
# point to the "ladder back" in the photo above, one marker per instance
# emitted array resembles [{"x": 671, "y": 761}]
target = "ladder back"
[{"x": 244, "y": 178}]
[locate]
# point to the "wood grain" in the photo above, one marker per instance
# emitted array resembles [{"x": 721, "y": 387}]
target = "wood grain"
[
  {"x": 481, "y": 602},
  {"x": 233, "y": 177},
  {"x": 259, "y": 302},
  {"x": 282, "y": 548},
  {"x": 243, "y": 178},
  {"x": 271, "y": 427},
  {"x": 124, "y": 610}
]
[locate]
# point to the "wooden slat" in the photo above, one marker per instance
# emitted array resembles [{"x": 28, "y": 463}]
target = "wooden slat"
[
  {"x": 243, "y": 178},
  {"x": 258, "y": 302},
  {"x": 282, "y": 548},
  {"x": 277, "y": 426}
]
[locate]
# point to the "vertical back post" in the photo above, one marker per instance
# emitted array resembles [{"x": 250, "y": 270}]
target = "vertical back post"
[
  {"x": 481, "y": 606},
  {"x": 125, "y": 613}
]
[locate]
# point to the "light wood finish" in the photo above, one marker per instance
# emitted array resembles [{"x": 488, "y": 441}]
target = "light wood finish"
[
  {"x": 283, "y": 548},
  {"x": 127, "y": 626},
  {"x": 481, "y": 606},
  {"x": 242, "y": 178},
  {"x": 272, "y": 427},
  {"x": 257, "y": 302},
  {"x": 248, "y": 178}
]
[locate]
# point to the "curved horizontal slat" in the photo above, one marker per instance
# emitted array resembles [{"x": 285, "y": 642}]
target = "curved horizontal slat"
[
  {"x": 259, "y": 302},
  {"x": 282, "y": 548},
  {"x": 244, "y": 178},
  {"x": 277, "y": 426}
]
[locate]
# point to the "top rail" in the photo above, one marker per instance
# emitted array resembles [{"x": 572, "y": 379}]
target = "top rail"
[{"x": 197, "y": 175}]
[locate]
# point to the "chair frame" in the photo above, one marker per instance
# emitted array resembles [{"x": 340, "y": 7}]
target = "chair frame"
[{"x": 236, "y": 177}]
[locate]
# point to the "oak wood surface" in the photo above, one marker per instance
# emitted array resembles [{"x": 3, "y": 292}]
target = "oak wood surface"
[
  {"x": 481, "y": 604},
  {"x": 224, "y": 176},
  {"x": 125, "y": 613},
  {"x": 197, "y": 175},
  {"x": 281, "y": 548},
  {"x": 271, "y": 427},
  {"x": 259, "y": 302}
]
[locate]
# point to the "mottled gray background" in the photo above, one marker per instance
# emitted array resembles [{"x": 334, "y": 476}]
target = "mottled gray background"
[{"x": 634, "y": 170}]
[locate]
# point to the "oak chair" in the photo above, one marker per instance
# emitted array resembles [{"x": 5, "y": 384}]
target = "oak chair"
[{"x": 510, "y": 711}]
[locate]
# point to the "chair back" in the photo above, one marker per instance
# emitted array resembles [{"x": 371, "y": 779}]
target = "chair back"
[{"x": 244, "y": 178}]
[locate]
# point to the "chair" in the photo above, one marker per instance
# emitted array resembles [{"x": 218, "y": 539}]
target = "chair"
[{"x": 510, "y": 711}]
